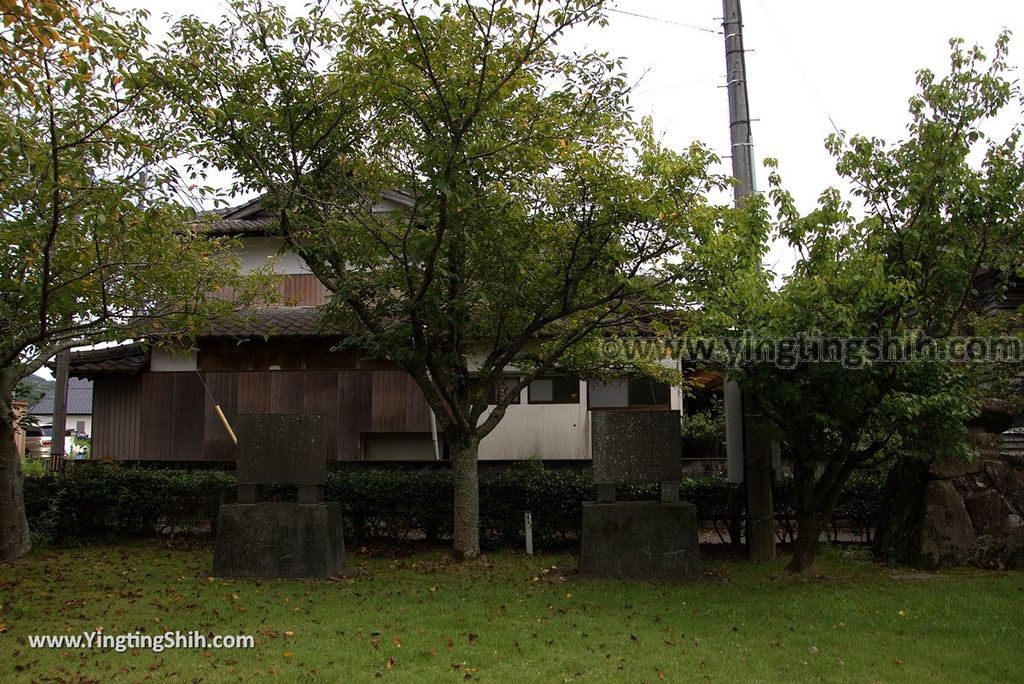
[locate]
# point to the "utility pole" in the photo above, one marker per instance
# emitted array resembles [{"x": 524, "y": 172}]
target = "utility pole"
[
  {"x": 757, "y": 457},
  {"x": 60, "y": 394}
]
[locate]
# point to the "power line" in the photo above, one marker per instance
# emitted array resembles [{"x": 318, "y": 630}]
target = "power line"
[
  {"x": 683, "y": 84},
  {"x": 664, "y": 21},
  {"x": 799, "y": 68}
]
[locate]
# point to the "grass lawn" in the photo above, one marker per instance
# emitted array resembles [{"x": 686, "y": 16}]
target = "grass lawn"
[{"x": 510, "y": 618}]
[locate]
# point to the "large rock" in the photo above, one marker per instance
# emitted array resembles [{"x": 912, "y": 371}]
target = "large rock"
[
  {"x": 974, "y": 518},
  {"x": 996, "y": 416},
  {"x": 1013, "y": 487},
  {"x": 279, "y": 540},
  {"x": 897, "y": 534},
  {"x": 996, "y": 471},
  {"x": 640, "y": 540},
  {"x": 986, "y": 510},
  {"x": 950, "y": 468},
  {"x": 947, "y": 534}
]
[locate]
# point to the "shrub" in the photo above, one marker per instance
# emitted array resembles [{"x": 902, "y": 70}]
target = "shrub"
[{"x": 95, "y": 500}]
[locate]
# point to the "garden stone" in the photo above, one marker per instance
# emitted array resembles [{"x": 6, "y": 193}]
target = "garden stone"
[
  {"x": 986, "y": 510},
  {"x": 283, "y": 540},
  {"x": 636, "y": 446},
  {"x": 638, "y": 539},
  {"x": 257, "y": 538},
  {"x": 949, "y": 468},
  {"x": 947, "y": 534},
  {"x": 996, "y": 471},
  {"x": 646, "y": 540}
]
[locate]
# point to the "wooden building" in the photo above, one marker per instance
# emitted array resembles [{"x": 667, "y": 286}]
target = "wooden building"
[{"x": 157, "y": 404}]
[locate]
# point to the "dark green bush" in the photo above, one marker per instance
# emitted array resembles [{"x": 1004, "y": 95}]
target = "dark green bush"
[
  {"x": 93, "y": 499},
  {"x": 99, "y": 500}
]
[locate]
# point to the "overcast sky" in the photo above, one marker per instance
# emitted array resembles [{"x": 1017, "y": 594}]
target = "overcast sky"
[{"x": 810, "y": 60}]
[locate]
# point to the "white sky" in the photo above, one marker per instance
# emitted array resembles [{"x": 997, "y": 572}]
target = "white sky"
[
  {"x": 810, "y": 59},
  {"x": 853, "y": 61}
]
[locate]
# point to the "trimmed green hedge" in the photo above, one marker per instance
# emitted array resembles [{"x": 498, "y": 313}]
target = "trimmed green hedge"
[{"x": 99, "y": 500}]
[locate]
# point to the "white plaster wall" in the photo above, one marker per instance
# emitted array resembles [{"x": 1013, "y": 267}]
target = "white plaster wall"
[
  {"x": 546, "y": 431},
  {"x": 164, "y": 360},
  {"x": 258, "y": 252},
  {"x": 70, "y": 424}
]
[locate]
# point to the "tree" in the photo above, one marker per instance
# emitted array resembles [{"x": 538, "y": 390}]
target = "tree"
[
  {"x": 95, "y": 246},
  {"x": 536, "y": 213},
  {"x": 934, "y": 209}
]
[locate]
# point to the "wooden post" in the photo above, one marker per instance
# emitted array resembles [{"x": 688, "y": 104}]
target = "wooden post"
[
  {"x": 60, "y": 414},
  {"x": 528, "y": 529}
]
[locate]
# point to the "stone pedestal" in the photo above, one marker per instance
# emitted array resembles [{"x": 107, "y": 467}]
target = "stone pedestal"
[
  {"x": 640, "y": 540},
  {"x": 279, "y": 540}
]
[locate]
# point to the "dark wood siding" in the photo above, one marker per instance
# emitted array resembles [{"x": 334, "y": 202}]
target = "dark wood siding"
[
  {"x": 301, "y": 289},
  {"x": 398, "y": 404},
  {"x": 116, "y": 400},
  {"x": 169, "y": 417},
  {"x": 1009, "y": 302}
]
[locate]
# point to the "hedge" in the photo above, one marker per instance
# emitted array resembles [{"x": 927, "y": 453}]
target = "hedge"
[{"x": 93, "y": 500}]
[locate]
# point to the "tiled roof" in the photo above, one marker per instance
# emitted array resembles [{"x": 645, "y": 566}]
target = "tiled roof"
[
  {"x": 251, "y": 218},
  {"x": 240, "y": 227},
  {"x": 299, "y": 321},
  {"x": 79, "y": 401},
  {"x": 127, "y": 358}
]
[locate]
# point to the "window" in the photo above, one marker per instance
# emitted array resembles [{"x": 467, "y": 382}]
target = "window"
[
  {"x": 501, "y": 390},
  {"x": 398, "y": 446},
  {"x": 611, "y": 394},
  {"x": 555, "y": 390},
  {"x": 647, "y": 392},
  {"x": 626, "y": 393}
]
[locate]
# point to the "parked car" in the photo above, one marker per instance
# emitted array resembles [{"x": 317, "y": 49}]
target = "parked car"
[{"x": 39, "y": 440}]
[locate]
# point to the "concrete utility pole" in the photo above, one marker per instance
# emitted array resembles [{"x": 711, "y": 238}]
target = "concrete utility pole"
[
  {"x": 60, "y": 394},
  {"x": 757, "y": 457}
]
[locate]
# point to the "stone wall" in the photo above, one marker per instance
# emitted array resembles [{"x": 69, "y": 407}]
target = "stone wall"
[{"x": 950, "y": 513}]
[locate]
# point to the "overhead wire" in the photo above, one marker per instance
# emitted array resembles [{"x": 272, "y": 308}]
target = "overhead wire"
[
  {"x": 796, "y": 62},
  {"x": 662, "y": 20}
]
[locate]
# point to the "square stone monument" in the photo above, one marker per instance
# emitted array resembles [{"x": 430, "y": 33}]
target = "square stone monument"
[
  {"x": 259, "y": 538},
  {"x": 638, "y": 539}
]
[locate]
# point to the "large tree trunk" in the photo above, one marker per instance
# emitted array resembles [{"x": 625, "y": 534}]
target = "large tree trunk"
[
  {"x": 805, "y": 545},
  {"x": 14, "y": 537},
  {"x": 815, "y": 498},
  {"x": 466, "y": 486}
]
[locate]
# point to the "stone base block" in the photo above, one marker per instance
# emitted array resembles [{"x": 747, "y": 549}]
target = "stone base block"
[
  {"x": 279, "y": 540},
  {"x": 640, "y": 540}
]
